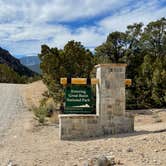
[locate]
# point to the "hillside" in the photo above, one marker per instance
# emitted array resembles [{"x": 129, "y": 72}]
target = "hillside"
[
  {"x": 32, "y": 62},
  {"x": 35, "y": 68},
  {"x": 7, "y": 59}
]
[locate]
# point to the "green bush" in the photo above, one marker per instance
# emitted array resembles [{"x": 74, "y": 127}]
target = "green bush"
[
  {"x": 40, "y": 114},
  {"x": 46, "y": 109}
]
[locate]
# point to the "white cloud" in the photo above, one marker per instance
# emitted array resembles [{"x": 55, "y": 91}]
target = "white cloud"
[
  {"x": 24, "y": 24},
  {"x": 26, "y": 39},
  {"x": 141, "y": 13},
  {"x": 59, "y": 10},
  {"x": 89, "y": 36}
]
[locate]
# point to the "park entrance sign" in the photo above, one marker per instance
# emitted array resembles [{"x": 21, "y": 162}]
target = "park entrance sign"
[
  {"x": 78, "y": 96},
  {"x": 110, "y": 116},
  {"x": 78, "y": 100}
]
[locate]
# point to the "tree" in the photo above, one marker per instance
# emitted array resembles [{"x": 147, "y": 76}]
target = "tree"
[
  {"x": 78, "y": 61},
  {"x": 51, "y": 66},
  {"x": 159, "y": 83},
  {"x": 73, "y": 60},
  {"x": 144, "y": 51},
  {"x": 8, "y": 75},
  {"x": 154, "y": 38},
  {"x": 114, "y": 48},
  {"x": 134, "y": 57},
  {"x": 150, "y": 81}
]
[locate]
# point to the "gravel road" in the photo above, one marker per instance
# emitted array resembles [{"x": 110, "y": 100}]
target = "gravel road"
[
  {"x": 23, "y": 142},
  {"x": 10, "y": 105}
]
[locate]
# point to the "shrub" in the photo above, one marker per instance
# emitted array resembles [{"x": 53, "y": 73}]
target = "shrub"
[{"x": 40, "y": 113}]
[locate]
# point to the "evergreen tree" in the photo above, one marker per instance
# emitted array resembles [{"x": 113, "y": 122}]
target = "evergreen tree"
[
  {"x": 144, "y": 51},
  {"x": 114, "y": 48},
  {"x": 7, "y": 75},
  {"x": 73, "y": 60}
]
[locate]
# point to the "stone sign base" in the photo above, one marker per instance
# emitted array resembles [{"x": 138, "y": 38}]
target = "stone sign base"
[
  {"x": 85, "y": 126},
  {"x": 110, "y": 117}
]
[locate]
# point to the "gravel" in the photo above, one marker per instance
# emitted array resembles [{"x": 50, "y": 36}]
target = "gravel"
[
  {"x": 27, "y": 144},
  {"x": 10, "y": 105}
]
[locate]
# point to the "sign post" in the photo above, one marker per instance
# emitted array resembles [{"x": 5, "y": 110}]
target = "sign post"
[
  {"x": 79, "y": 97},
  {"x": 78, "y": 100}
]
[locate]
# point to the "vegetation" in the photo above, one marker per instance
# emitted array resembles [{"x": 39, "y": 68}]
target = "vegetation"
[
  {"x": 46, "y": 109},
  {"x": 74, "y": 60},
  {"x": 12, "y": 71},
  {"x": 40, "y": 114},
  {"x": 10, "y": 76},
  {"x": 142, "y": 48}
]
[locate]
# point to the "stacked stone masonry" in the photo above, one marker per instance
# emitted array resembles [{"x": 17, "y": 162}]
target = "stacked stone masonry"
[{"x": 110, "y": 115}]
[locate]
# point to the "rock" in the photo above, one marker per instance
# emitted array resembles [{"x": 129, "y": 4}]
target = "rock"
[
  {"x": 102, "y": 161},
  {"x": 10, "y": 163},
  {"x": 118, "y": 162},
  {"x": 119, "y": 150},
  {"x": 164, "y": 149},
  {"x": 129, "y": 150},
  {"x": 111, "y": 160},
  {"x": 144, "y": 139},
  {"x": 142, "y": 155}
]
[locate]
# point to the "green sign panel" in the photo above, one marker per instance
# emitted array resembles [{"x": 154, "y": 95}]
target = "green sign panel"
[{"x": 78, "y": 100}]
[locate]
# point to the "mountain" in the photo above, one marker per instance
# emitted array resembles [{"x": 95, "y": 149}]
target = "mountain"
[
  {"x": 35, "y": 68},
  {"x": 7, "y": 59},
  {"x": 32, "y": 62}
]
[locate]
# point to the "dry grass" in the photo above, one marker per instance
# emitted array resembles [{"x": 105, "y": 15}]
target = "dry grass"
[{"x": 32, "y": 93}]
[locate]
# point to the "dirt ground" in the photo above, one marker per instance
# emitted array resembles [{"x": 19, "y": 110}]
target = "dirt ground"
[
  {"x": 29, "y": 144},
  {"x": 32, "y": 93}
]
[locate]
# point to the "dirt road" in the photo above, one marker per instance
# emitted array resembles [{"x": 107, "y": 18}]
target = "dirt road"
[
  {"x": 10, "y": 105},
  {"x": 25, "y": 143}
]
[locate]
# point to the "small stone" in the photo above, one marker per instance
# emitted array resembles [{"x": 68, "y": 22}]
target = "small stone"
[
  {"x": 118, "y": 162},
  {"x": 119, "y": 150},
  {"x": 10, "y": 163},
  {"x": 111, "y": 160},
  {"x": 145, "y": 139},
  {"x": 156, "y": 150},
  {"x": 101, "y": 161},
  {"x": 129, "y": 150},
  {"x": 155, "y": 161}
]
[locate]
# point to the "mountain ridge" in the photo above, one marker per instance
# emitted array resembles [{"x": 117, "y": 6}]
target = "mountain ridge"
[
  {"x": 15, "y": 64},
  {"x": 32, "y": 62}
]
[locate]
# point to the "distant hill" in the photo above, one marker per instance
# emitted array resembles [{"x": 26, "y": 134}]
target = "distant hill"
[
  {"x": 13, "y": 63},
  {"x": 35, "y": 68},
  {"x": 32, "y": 62}
]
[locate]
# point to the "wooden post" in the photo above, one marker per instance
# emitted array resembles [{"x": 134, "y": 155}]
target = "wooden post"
[{"x": 83, "y": 81}]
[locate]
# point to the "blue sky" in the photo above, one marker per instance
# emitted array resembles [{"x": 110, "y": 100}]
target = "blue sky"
[{"x": 26, "y": 24}]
